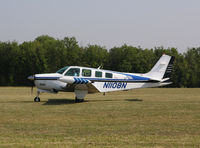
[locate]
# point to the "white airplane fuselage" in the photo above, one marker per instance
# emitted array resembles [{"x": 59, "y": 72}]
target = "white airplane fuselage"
[
  {"x": 83, "y": 80},
  {"x": 54, "y": 82}
]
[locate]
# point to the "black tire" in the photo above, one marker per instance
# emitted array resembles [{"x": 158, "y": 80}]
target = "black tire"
[
  {"x": 79, "y": 100},
  {"x": 37, "y": 99}
]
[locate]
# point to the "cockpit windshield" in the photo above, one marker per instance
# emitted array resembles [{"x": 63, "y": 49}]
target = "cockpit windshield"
[{"x": 62, "y": 70}]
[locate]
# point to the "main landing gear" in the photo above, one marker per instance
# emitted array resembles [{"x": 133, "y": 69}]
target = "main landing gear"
[
  {"x": 37, "y": 98},
  {"x": 78, "y": 100},
  {"x": 80, "y": 91}
]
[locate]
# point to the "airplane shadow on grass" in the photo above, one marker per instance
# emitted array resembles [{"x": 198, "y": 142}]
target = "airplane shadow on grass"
[
  {"x": 59, "y": 101},
  {"x": 133, "y": 100},
  {"x": 72, "y": 101},
  {"x": 49, "y": 102},
  {"x": 69, "y": 101}
]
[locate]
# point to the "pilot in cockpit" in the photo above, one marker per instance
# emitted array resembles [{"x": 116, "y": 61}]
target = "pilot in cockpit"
[{"x": 75, "y": 73}]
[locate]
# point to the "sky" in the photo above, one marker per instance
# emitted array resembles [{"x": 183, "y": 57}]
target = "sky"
[{"x": 108, "y": 23}]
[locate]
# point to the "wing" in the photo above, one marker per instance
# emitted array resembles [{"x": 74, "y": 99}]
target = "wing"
[{"x": 90, "y": 86}]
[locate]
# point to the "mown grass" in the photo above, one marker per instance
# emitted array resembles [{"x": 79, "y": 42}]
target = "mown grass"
[{"x": 154, "y": 117}]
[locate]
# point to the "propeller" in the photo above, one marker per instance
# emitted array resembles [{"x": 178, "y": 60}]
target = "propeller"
[
  {"x": 32, "y": 79},
  {"x": 32, "y": 85}
]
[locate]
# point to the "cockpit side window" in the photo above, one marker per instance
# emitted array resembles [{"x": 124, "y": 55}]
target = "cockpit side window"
[
  {"x": 73, "y": 72},
  {"x": 62, "y": 70},
  {"x": 86, "y": 72}
]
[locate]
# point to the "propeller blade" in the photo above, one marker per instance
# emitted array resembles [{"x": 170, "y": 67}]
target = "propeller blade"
[
  {"x": 32, "y": 79},
  {"x": 32, "y": 87}
]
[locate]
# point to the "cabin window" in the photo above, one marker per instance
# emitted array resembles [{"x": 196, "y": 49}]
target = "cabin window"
[
  {"x": 62, "y": 70},
  {"x": 73, "y": 72},
  {"x": 86, "y": 72},
  {"x": 109, "y": 75},
  {"x": 98, "y": 74}
]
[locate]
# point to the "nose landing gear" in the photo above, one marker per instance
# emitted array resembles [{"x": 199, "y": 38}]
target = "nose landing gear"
[{"x": 37, "y": 98}]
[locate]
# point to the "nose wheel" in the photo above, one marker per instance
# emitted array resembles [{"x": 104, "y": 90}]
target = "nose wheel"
[{"x": 37, "y": 98}]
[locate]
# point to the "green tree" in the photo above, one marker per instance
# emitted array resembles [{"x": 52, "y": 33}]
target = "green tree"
[
  {"x": 8, "y": 61},
  {"x": 192, "y": 57},
  {"x": 74, "y": 52},
  {"x": 94, "y": 56}
]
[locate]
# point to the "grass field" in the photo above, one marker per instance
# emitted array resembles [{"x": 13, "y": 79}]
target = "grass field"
[{"x": 155, "y": 117}]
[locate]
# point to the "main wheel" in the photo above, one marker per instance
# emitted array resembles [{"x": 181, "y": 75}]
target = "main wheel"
[
  {"x": 78, "y": 100},
  {"x": 37, "y": 99}
]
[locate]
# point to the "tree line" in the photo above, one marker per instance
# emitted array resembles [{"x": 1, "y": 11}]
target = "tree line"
[{"x": 46, "y": 54}]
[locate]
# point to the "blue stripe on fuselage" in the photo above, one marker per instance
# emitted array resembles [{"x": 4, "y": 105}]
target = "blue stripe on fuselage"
[
  {"x": 113, "y": 80},
  {"x": 47, "y": 78},
  {"x": 139, "y": 78}
]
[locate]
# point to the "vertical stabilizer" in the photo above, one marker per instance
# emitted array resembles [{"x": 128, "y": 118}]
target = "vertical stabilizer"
[{"x": 162, "y": 69}]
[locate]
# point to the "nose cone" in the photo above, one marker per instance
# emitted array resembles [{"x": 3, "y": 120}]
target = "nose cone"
[{"x": 31, "y": 78}]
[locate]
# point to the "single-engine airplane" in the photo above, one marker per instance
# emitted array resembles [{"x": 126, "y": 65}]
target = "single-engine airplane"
[{"x": 84, "y": 80}]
